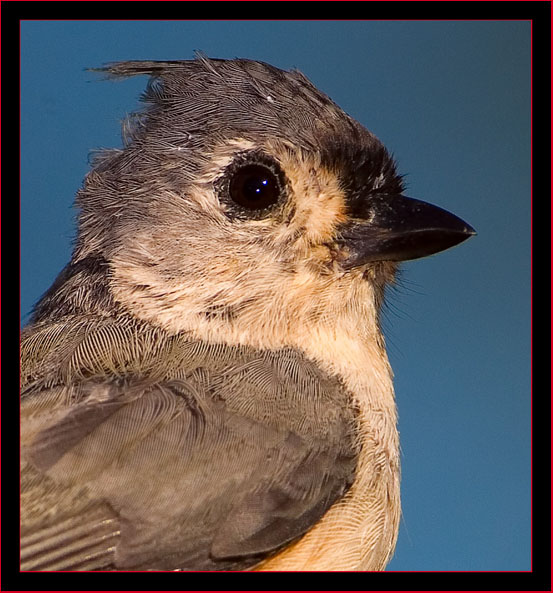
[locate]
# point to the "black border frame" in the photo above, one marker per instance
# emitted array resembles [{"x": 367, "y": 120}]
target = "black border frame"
[{"x": 539, "y": 578}]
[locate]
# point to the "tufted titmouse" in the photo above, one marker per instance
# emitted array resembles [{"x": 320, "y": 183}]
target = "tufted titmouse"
[{"x": 205, "y": 386}]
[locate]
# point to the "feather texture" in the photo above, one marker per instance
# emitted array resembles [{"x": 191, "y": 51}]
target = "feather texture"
[{"x": 211, "y": 462}]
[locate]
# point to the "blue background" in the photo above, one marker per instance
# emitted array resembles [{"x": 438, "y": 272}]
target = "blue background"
[{"x": 451, "y": 100}]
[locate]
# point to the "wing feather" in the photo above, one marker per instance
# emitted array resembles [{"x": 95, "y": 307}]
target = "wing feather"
[{"x": 213, "y": 466}]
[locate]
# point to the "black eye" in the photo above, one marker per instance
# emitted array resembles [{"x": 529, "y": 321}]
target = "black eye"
[{"x": 254, "y": 186}]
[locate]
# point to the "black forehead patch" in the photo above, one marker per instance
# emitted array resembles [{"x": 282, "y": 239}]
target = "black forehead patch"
[{"x": 363, "y": 168}]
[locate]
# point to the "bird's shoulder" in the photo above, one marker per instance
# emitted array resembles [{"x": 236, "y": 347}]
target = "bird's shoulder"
[{"x": 143, "y": 449}]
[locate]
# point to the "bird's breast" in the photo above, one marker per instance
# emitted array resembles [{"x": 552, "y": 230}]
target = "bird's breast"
[{"x": 359, "y": 532}]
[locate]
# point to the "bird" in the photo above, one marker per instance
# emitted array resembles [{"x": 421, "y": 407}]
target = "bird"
[{"x": 205, "y": 386}]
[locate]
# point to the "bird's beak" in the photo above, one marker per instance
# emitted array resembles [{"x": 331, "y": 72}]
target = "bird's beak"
[{"x": 397, "y": 228}]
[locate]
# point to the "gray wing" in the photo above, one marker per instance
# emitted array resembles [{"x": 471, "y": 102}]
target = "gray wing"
[{"x": 167, "y": 475}]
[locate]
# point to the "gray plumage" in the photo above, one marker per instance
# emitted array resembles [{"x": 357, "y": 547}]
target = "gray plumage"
[
  {"x": 205, "y": 385},
  {"x": 167, "y": 465}
]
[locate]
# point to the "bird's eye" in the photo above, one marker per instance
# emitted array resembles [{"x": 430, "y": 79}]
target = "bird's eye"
[{"x": 254, "y": 187}]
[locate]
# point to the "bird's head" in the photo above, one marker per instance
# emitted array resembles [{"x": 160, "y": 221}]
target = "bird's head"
[{"x": 245, "y": 203}]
